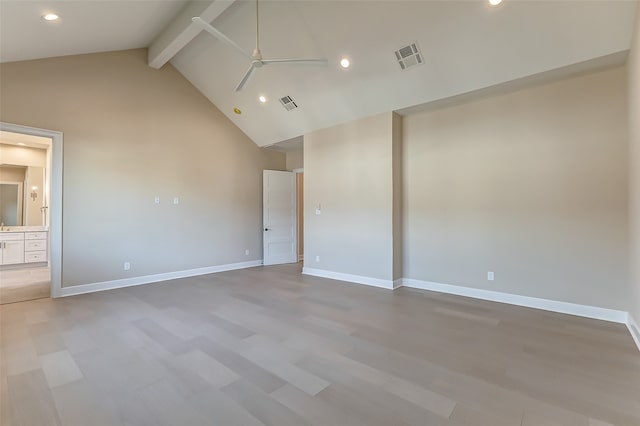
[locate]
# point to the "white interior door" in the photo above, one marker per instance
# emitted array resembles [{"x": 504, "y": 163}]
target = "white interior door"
[{"x": 279, "y": 217}]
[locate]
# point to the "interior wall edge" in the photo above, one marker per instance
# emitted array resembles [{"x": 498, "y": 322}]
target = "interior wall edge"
[
  {"x": 633, "y": 84},
  {"x": 632, "y": 325},
  {"x": 356, "y": 279}
]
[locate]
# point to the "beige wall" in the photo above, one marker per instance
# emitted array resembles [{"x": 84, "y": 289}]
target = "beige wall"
[
  {"x": 531, "y": 185},
  {"x": 12, "y": 174},
  {"x": 634, "y": 156},
  {"x": 33, "y": 214},
  {"x": 295, "y": 160},
  {"x": 22, "y": 156},
  {"x": 348, "y": 172},
  {"x": 132, "y": 133}
]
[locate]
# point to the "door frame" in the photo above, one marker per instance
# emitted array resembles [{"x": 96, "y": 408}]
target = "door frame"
[
  {"x": 299, "y": 217},
  {"x": 54, "y": 178}
]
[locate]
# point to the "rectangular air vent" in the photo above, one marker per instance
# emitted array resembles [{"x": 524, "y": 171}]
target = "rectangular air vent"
[
  {"x": 409, "y": 56},
  {"x": 288, "y": 103}
]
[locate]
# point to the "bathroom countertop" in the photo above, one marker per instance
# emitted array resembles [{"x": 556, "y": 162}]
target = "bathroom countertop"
[{"x": 23, "y": 228}]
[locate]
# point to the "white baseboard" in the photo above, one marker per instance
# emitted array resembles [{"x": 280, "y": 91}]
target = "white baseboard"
[
  {"x": 632, "y": 325},
  {"x": 358, "y": 279},
  {"x": 148, "y": 279},
  {"x": 530, "y": 302},
  {"x": 594, "y": 312}
]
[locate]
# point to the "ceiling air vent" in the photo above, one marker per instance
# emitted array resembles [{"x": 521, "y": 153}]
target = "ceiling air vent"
[
  {"x": 409, "y": 56},
  {"x": 288, "y": 103}
]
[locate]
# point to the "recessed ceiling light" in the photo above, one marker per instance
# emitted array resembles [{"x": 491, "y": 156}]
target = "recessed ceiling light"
[
  {"x": 50, "y": 17},
  {"x": 22, "y": 144},
  {"x": 345, "y": 63},
  {"x": 495, "y": 2},
  {"x": 262, "y": 99}
]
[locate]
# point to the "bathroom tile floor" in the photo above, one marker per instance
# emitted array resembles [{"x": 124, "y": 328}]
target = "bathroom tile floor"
[{"x": 18, "y": 285}]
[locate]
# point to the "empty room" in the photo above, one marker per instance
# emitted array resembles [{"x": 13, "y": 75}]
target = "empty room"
[{"x": 315, "y": 212}]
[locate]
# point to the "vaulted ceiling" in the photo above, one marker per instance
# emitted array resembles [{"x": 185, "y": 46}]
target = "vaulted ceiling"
[{"x": 466, "y": 45}]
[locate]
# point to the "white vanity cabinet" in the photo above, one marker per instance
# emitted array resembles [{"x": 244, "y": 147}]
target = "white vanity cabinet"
[
  {"x": 35, "y": 247},
  {"x": 23, "y": 247},
  {"x": 11, "y": 248}
]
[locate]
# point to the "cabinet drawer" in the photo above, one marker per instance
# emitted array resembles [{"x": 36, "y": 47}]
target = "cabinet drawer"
[
  {"x": 35, "y": 235},
  {"x": 35, "y": 245},
  {"x": 11, "y": 236},
  {"x": 35, "y": 256}
]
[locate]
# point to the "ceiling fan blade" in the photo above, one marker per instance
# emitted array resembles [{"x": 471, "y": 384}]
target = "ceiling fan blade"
[
  {"x": 319, "y": 62},
  {"x": 245, "y": 78},
  {"x": 217, "y": 34}
]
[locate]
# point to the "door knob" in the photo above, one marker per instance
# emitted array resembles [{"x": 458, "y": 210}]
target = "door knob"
[{"x": 267, "y": 229}]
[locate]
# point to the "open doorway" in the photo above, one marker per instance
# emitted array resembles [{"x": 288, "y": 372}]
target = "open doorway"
[
  {"x": 30, "y": 219},
  {"x": 294, "y": 153}
]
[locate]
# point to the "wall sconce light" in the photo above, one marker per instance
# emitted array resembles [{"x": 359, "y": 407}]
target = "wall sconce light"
[{"x": 34, "y": 193}]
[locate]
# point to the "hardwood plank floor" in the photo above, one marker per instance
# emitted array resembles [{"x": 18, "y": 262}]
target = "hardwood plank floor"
[{"x": 269, "y": 346}]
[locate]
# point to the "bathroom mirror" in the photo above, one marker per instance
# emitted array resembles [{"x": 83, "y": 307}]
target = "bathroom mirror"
[
  {"x": 11, "y": 203},
  {"x": 22, "y": 195}
]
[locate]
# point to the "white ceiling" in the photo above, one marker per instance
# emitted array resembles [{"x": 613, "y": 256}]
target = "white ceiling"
[
  {"x": 467, "y": 45},
  {"x": 84, "y": 26}
]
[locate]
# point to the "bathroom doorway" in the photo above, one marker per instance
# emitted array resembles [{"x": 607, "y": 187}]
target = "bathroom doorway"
[{"x": 30, "y": 225}]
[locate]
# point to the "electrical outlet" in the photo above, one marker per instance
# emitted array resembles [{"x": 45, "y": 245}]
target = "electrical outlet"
[
  {"x": 157, "y": 200},
  {"x": 127, "y": 266},
  {"x": 490, "y": 276},
  {"x": 246, "y": 252},
  {"x": 176, "y": 200},
  {"x": 317, "y": 258}
]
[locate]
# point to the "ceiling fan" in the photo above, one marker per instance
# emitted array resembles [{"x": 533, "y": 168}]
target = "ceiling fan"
[{"x": 256, "y": 58}]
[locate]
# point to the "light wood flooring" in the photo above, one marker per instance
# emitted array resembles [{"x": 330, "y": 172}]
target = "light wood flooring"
[
  {"x": 268, "y": 346},
  {"x": 20, "y": 284}
]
